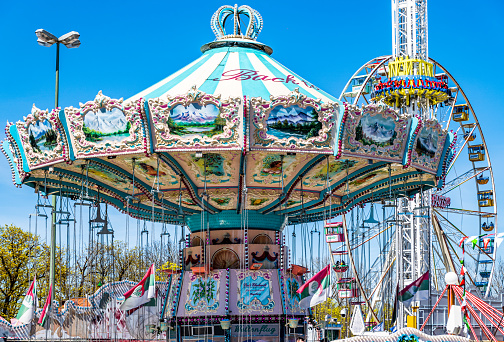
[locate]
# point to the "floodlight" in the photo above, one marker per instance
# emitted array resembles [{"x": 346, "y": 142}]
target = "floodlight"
[{"x": 45, "y": 38}]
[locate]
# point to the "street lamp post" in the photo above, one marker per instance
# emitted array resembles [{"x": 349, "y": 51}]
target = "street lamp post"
[{"x": 70, "y": 40}]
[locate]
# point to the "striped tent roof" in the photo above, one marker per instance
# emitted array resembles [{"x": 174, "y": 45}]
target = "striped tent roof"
[{"x": 232, "y": 71}]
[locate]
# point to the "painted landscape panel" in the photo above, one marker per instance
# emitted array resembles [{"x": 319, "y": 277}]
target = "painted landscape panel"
[
  {"x": 106, "y": 126},
  {"x": 375, "y": 130},
  {"x": 42, "y": 136},
  {"x": 211, "y": 164},
  {"x": 195, "y": 120},
  {"x": 273, "y": 164},
  {"x": 427, "y": 143},
  {"x": 294, "y": 121}
]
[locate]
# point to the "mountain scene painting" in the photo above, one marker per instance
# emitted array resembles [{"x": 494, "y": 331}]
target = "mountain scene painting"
[
  {"x": 42, "y": 136},
  {"x": 376, "y": 130},
  {"x": 105, "y": 125},
  {"x": 196, "y": 120},
  {"x": 427, "y": 143},
  {"x": 294, "y": 121}
]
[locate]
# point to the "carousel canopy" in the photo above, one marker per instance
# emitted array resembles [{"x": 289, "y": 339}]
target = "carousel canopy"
[{"x": 234, "y": 130}]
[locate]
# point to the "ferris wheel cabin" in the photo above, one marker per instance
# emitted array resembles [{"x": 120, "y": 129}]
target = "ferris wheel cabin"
[
  {"x": 460, "y": 113},
  {"x": 488, "y": 227},
  {"x": 476, "y": 153},
  {"x": 485, "y": 198},
  {"x": 482, "y": 180},
  {"x": 334, "y": 232},
  {"x": 347, "y": 288}
]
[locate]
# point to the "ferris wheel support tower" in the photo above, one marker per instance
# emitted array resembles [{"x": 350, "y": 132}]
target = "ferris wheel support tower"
[
  {"x": 410, "y": 53},
  {"x": 409, "y": 29}
]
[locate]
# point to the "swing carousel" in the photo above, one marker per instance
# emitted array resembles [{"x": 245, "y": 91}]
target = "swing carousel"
[{"x": 234, "y": 150}]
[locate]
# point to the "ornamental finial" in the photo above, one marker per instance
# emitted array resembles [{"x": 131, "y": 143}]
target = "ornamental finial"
[{"x": 252, "y": 30}]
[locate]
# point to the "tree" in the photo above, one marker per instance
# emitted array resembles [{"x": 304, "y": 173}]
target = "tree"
[{"x": 22, "y": 257}]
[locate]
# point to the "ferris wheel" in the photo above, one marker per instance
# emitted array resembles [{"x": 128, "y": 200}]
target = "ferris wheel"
[
  {"x": 380, "y": 248},
  {"x": 465, "y": 205}
]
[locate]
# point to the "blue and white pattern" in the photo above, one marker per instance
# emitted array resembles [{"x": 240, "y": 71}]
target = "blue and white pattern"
[{"x": 234, "y": 72}]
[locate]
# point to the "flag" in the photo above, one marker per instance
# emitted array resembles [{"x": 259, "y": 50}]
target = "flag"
[
  {"x": 27, "y": 309},
  {"x": 316, "y": 290},
  {"x": 142, "y": 292},
  {"x": 357, "y": 325},
  {"x": 379, "y": 327},
  {"x": 44, "y": 313},
  {"x": 417, "y": 290},
  {"x": 394, "y": 311}
]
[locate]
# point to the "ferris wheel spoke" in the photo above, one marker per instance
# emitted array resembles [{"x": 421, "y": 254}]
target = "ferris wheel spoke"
[
  {"x": 466, "y": 140},
  {"x": 350, "y": 257},
  {"x": 443, "y": 244},
  {"x": 452, "y": 106},
  {"x": 455, "y": 183},
  {"x": 466, "y": 212},
  {"x": 462, "y": 233}
]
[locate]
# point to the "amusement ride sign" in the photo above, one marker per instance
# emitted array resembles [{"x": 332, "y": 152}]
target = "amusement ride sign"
[
  {"x": 254, "y": 75},
  {"x": 440, "y": 201},
  {"x": 255, "y": 330}
]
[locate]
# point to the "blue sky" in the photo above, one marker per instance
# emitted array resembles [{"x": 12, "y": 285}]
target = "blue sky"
[{"x": 128, "y": 46}]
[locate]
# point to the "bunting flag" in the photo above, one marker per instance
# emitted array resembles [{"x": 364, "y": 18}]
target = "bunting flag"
[
  {"x": 462, "y": 273},
  {"x": 474, "y": 242},
  {"x": 45, "y": 310},
  {"x": 486, "y": 241},
  {"x": 498, "y": 239},
  {"x": 463, "y": 306},
  {"x": 142, "y": 292},
  {"x": 462, "y": 241},
  {"x": 316, "y": 290},
  {"x": 29, "y": 305}
]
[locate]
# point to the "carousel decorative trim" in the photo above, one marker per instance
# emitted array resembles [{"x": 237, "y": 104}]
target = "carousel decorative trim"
[
  {"x": 448, "y": 157},
  {"x": 263, "y": 301},
  {"x": 203, "y": 294},
  {"x": 375, "y": 140},
  {"x": 53, "y": 149},
  {"x": 339, "y": 139},
  {"x": 428, "y": 146},
  {"x": 174, "y": 296},
  {"x": 17, "y": 157},
  {"x": 417, "y": 120},
  {"x": 253, "y": 29},
  {"x": 260, "y": 112},
  {"x": 9, "y": 160},
  {"x": 135, "y": 140},
  {"x": 291, "y": 285},
  {"x": 165, "y": 137}
]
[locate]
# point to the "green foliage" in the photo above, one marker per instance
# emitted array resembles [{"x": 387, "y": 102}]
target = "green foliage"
[
  {"x": 183, "y": 128},
  {"x": 33, "y": 143},
  {"x": 22, "y": 257},
  {"x": 308, "y": 129},
  {"x": 204, "y": 289},
  {"x": 94, "y": 136},
  {"x": 51, "y": 139}
]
